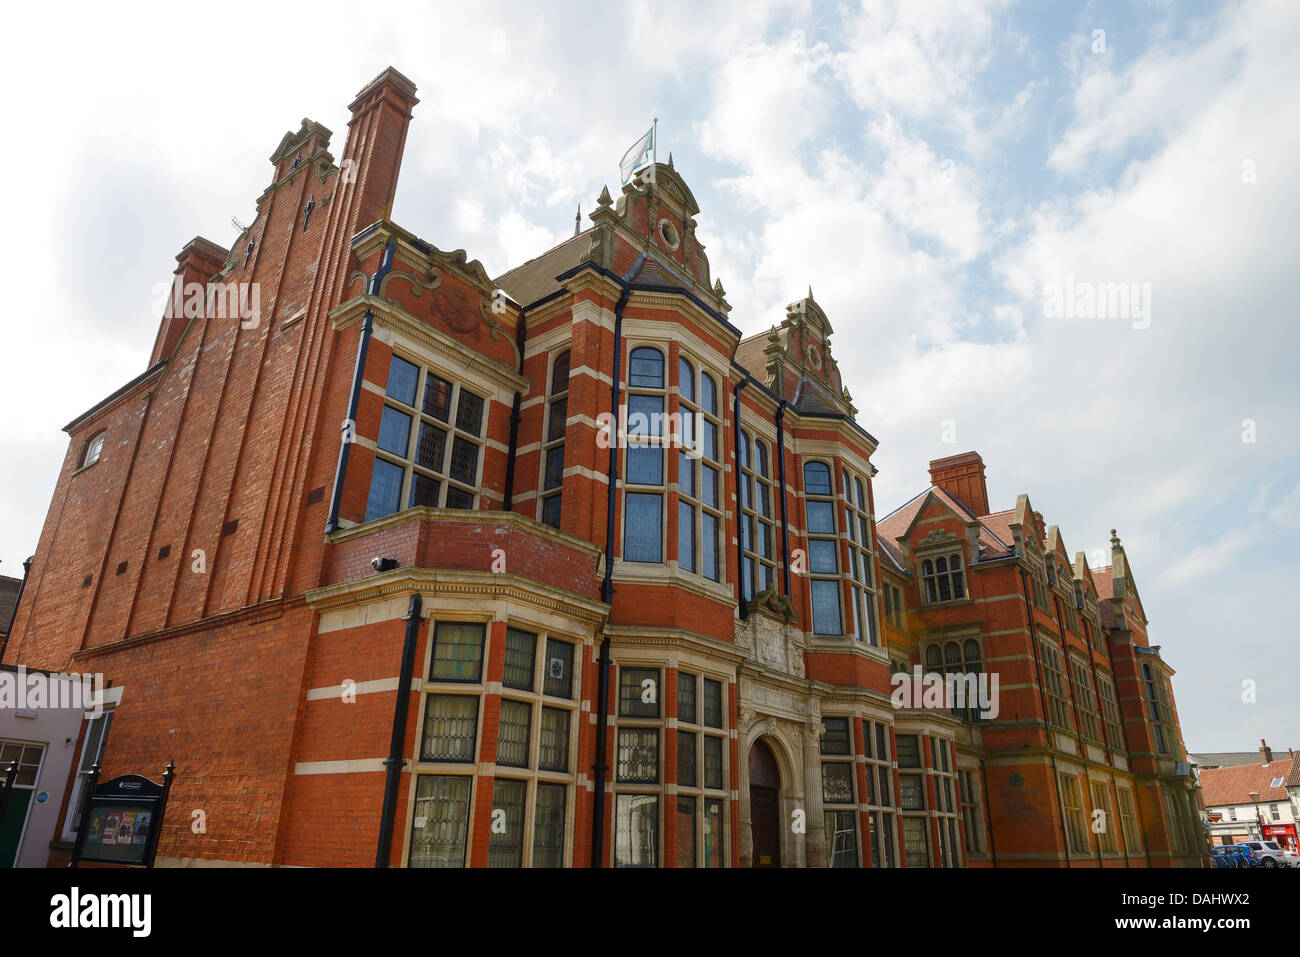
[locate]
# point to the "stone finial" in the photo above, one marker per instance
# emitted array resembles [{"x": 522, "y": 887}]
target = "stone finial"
[
  {"x": 670, "y": 159},
  {"x": 1114, "y": 539},
  {"x": 604, "y": 199},
  {"x": 717, "y": 288},
  {"x": 810, "y": 295}
]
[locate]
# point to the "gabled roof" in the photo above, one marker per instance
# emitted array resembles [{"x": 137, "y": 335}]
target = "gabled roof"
[
  {"x": 1233, "y": 785},
  {"x": 900, "y": 521},
  {"x": 535, "y": 279},
  {"x": 811, "y": 396},
  {"x": 1223, "y": 759}
]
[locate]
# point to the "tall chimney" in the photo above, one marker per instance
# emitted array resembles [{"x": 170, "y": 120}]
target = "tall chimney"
[
  {"x": 1265, "y": 751},
  {"x": 381, "y": 114},
  {"x": 196, "y": 264},
  {"x": 962, "y": 477}
]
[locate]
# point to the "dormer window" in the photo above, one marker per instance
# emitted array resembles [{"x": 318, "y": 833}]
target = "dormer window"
[
  {"x": 93, "y": 449},
  {"x": 943, "y": 578}
]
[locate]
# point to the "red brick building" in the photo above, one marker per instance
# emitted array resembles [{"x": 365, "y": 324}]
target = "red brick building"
[{"x": 651, "y": 619}]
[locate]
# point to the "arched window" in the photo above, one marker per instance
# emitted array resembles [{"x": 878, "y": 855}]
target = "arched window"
[
  {"x": 756, "y": 527},
  {"x": 93, "y": 450},
  {"x": 823, "y": 549},
  {"x": 959, "y": 659},
  {"x": 699, "y": 475},
  {"x": 644, "y": 479},
  {"x": 943, "y": 579},
  {"x": 557, "y": 417}
]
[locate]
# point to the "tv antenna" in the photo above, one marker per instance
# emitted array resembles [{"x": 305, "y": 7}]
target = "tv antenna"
[{"x": 237, "y": 224}]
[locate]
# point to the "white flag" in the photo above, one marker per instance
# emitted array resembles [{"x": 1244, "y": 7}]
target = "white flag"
[{"x": 638, "y": 156}]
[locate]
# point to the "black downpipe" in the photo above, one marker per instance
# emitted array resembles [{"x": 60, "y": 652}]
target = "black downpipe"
[
  {"x": 740, "y": 477},
  {"x": 13, "y": 615},
  {"x": 785, "y": 520},
  {"x": 607, "y": 593},
  {"x": 1042, "y": 697},
  {"x": 521, "y": 334},
  {"x": 350, "y": 425},
  {"x": 988, "y": 811},
  {"x": 395, "y": 763}
]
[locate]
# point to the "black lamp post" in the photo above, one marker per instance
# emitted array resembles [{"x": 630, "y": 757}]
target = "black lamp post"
[{"x": 1259, "y": 828}]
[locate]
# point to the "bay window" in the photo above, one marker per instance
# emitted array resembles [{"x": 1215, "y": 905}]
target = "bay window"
[
  {"x": 823, "y": 549},
  {"x": 644, "y": 479},
  {"x": 430, "y": 443}
]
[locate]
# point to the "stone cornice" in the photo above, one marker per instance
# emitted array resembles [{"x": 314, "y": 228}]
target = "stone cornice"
[
  {"x": 444, "y": 583},
  {"x": 390, "y": 315},
  {"x": 424, "y": 513},
  {"x": 659, "y": 637}
]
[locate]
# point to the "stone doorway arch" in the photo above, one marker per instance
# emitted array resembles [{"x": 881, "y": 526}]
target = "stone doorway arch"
[{"x": 771, "y": 788}]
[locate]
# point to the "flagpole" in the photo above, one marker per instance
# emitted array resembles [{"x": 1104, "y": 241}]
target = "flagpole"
[{"x": 654, "y": 147}]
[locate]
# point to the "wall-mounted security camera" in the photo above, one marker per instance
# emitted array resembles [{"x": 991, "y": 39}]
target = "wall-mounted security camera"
[{"x": 383, "y": 564}]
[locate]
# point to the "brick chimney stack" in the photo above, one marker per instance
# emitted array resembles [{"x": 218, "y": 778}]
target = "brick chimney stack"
[
  {"x": 1265, "y": 751},
  {"x": 381, "y": 115},
  {"x": 962, "y": 477},
  {"x": 198, "y": 262}
]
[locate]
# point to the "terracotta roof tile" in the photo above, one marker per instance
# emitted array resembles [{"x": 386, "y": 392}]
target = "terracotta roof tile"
[{"x": 1222, "y": 786}]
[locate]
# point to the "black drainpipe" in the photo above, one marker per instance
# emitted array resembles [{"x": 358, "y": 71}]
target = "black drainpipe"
[
  {"x": 740, "y": 477},
  {"x": 521, "y": 334},
  {"x": 13, "y": 615},
  {"x": 785, "y": 523},
  {"x": 988, "y": 811},
  {"x": 395, "y": 762},
  {"x": 607, "y": 588},
  {"x": 350, "y": 426},
  {"x": 1042, "y": 697}
]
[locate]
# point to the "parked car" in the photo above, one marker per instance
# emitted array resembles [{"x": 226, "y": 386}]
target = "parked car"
[{"x": 1271, "y": 854}]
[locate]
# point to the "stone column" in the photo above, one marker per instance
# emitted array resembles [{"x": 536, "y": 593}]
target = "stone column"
[{"x": 815, "y": 838}]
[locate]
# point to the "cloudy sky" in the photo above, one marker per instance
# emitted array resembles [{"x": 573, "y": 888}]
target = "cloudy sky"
[{"x": 932, "y": 170}]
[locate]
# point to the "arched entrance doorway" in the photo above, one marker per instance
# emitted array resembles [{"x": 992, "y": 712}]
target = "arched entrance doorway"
[{"x": 765, "y": 805}]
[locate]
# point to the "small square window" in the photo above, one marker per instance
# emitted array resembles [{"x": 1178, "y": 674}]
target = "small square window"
[
  {"x": 457, "y": 651},
  {"x": 450, "y": 727},
  {"x": 638, "y": 755},
  {"x": 638, "y": 692},
  {"x": 836, "y": 738},
  {"x": 837, "y": 782}
]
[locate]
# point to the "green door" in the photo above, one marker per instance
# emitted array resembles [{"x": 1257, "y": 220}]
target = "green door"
[{"x": 11, "y": 828}]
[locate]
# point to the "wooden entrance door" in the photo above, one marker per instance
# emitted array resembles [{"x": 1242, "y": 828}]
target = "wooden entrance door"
[{"x": 765, "y": 806}]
